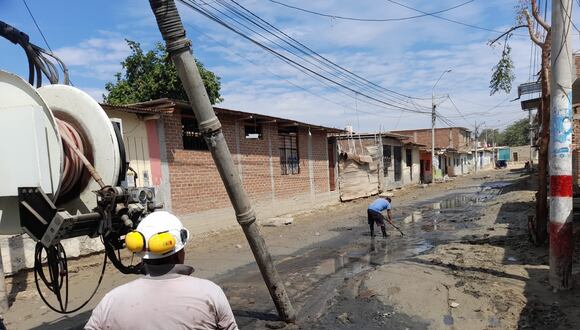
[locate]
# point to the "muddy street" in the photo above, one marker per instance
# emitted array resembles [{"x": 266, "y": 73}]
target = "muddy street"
[{"x": 464, "y": 263}]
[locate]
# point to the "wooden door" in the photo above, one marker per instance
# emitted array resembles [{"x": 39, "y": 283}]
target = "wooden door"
[{"x": 331, "y": 167}]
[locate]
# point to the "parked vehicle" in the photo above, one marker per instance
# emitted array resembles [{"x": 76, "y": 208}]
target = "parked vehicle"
[{"x": 501, "y": 164}]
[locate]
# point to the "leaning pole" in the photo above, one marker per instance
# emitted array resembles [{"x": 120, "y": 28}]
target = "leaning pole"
[{"x": 179, "y": 48}]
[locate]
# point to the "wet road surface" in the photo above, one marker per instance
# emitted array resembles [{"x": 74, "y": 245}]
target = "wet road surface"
[{"x": 325, "y": 279}]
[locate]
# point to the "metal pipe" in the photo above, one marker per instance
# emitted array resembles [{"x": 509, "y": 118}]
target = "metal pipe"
[
  {"x": 561, "y": 203},
  {"x": 178, "y": 46}
]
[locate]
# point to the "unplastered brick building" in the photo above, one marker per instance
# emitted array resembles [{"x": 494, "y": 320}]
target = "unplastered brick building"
[
  {"x": 453, "y": 151},
  {"x": 283, "y": 164},
  {"x": 458, "y": 138}
]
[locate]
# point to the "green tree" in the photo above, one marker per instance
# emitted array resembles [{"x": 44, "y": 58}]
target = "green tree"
[
  {"x": 493, "y": 136},
  {"x": 503, "y": 73},
  {"x": 152, "y": 75},
  {"x": 517, "y": 134},
  {"x": 528, "y": 16}
]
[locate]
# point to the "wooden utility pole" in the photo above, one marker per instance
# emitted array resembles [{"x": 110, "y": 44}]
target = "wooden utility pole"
[
  {"x": 539, "y": 230},
  {"x": 538, "y": 227},
  {"x": 179, "y": 47},
  {"x": 561, "y": 204}
]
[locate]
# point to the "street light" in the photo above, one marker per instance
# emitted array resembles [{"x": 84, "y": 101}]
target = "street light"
[{"x": 433, "y": 106}]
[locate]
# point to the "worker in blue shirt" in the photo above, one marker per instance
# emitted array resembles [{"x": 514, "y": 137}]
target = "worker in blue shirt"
[{"x": 374, "y": 214}]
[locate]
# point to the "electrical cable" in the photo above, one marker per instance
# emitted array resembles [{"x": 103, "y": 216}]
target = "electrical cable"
[
  {"x": 58, "y": 277},
  {"x": 60, "y": 63},
  {"x": 267, "y": 27},
  {"x": 317, "y": 77},
  {"x": 370, "y": 19},
  {"x": 343, "y": 74},
  {"x": 456, "y": 108},
  {"x": 316, "y": 54},
  {"x": 317, "y": 64},
  {"x": 484, "y": 105},
  {"x": 288, "y": 60},
  {"x": 38, "y": 58},
  {"x": 37, "y": 27},
  {"x": 282, "y": 78},
  {"x": 448, "y": 19}
]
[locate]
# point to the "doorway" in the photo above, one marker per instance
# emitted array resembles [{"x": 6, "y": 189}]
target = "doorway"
[
  {"x": 331, "y": 167},
  {"x": 398, "y": 157}
]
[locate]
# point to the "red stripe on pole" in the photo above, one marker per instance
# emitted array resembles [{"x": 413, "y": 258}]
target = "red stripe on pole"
[{"x": 561, "y": 186}]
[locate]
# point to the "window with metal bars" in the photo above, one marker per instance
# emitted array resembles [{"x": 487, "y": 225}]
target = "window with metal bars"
[
  {"x": 192, "y": 137},
  {"x": 289, "y": 159}
]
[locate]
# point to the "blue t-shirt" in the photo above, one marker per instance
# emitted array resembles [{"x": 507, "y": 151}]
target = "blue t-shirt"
[{"x": 379, "y": 205}]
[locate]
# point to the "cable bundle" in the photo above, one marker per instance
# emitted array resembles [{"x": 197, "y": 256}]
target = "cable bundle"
[
  {"x": 38, "y": 59},
  {"x": 57, "y": 279}
]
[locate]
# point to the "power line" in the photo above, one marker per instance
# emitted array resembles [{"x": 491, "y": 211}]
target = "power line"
[
  {"x": 456, "y": 108},
  {"x": 202, "y": 10},
  {"x": 369, "y": 19},
  {"x": 444, "y": 119},
  {"x": 60, "y": 63},
  {"x": 480, "y": 114},
  {"x": 317, "y": 55},
  {"x": 37, "y": 27},
  {"x": 339, "y": 75},
  {"x": 447, "y": 19},
  {"x": 499, "y": 105},
  {"x": 288, "y": 81}
]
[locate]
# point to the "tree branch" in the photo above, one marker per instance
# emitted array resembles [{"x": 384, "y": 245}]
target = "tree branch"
[
  {"x": 537, "y": 16},
  {"x": 507, "y": 32},
  {"x": 533, "y": 36}
]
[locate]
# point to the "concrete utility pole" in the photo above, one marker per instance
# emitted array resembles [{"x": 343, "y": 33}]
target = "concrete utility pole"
[
  {"x": 178, "y": 46},
  {"x": 433, "y": 106},
  {"x": 475, "y": 147},
  {"x": 560, "y": 166},
  {"x": 531, "y": 134},
  {"x": 433, "y": 119}
]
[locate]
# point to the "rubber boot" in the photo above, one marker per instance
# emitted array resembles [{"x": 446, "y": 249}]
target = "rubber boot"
[
  {"x": 372, "y": 226},
  {"x": 384, "y": 230}
]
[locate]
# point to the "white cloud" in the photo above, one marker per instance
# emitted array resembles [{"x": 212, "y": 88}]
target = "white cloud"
[
  {"x": 95, "y": 93},
  {"x": 97, "y": 58},
  {"x": 406, "y": 56}
]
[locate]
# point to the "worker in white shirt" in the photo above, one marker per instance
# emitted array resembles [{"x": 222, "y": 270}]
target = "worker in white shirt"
[{"x": 167, "y": 297}]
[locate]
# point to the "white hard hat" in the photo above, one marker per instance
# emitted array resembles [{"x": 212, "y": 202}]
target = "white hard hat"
[{"x": 154, "y": 229}]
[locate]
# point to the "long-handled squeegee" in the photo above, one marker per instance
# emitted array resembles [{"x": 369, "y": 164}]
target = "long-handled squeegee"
[{"x": 397, "y": 228}]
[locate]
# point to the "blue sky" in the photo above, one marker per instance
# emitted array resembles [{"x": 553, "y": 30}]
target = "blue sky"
[{"x": 405, "y": 56}]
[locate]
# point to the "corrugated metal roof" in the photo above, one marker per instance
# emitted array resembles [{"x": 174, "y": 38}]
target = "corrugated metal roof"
[
  {"x": 371, "y": 135},
  {"x": 406, "y": 131},
  {"x": 167, "y": 105},
  {"x": 137, "y": 110}
]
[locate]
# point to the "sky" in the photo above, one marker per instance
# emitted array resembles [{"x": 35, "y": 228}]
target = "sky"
[{"x": 404, "y": 56}]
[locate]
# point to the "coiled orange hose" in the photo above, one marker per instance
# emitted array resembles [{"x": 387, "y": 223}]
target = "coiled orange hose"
[{"x": 73, "y": 165}]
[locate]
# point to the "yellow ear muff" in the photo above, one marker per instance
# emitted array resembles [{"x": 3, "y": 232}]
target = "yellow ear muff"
[
  {"x": 135, "y": 241},
  {"x": 161, "y": 243}
]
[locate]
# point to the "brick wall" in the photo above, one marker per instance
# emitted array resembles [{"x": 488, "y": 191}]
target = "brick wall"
[
  {"x": 196, "y": 184},
  {"x": 444, "y": 137}
]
